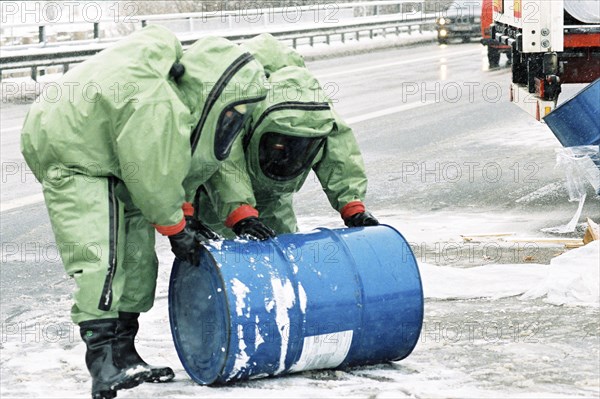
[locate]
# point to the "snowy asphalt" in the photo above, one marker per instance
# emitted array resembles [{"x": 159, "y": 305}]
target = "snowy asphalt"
[{"x": 446, "y": 154}]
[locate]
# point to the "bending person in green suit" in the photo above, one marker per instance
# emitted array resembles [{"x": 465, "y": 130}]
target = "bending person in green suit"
[
  {"x": 120, "y": 157},
  {"x": 293, "y": 131}
]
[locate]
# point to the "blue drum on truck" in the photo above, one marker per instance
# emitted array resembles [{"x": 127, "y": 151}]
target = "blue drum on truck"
[
  {"x": 576, "y": 122},
  {"x": 323, "y": 299}
]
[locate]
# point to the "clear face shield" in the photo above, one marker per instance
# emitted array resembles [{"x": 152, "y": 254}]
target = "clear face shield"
[
  {"x": 230, "y": 124},
  {"x": 284, "y": 157}
]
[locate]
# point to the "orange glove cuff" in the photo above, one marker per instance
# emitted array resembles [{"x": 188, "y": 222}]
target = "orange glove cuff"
[
  {"x": 170, "y": 230},
  {"x": 241, "y": 212},
  {"x": 352, "y": 208},
  {"x": 188, "y": 209}
]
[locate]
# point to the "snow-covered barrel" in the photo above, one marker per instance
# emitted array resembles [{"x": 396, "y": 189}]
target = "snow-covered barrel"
[{"x": 324, "y": 299}]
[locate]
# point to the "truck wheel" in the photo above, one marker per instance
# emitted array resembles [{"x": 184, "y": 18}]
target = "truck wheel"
[
  {"x": 493, "y": 57},
  {"x": 534, "y": 70},
  {"x": 519, "y": 68}
]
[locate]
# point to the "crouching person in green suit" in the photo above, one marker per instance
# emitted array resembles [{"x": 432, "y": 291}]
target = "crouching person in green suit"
[
  {"x": 293, "y": 131},
  {"x": 122, "y": 160}
]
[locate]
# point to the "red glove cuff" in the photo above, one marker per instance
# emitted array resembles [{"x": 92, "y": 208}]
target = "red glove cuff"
[
  {"x": 352, "y": 208},
  {"x": 241, "y": 212},
  {"x": 170, "y": 230},
  {"x": 188, "y": 209}
]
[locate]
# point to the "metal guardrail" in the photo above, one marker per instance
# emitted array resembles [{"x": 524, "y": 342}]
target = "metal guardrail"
[
  {"x": 231, "y": 15},
  {"x": 47, "y": 57}
]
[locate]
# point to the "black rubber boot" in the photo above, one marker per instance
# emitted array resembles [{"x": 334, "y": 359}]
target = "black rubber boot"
[
  {"x": 127, "y": 329},
  {"x": 109, "y": 373}
]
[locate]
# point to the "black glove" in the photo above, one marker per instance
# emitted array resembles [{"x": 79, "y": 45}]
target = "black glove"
[
  {"x": 253, "y": 228},
  {"x": 185, "y": 246},
  {"x": 203, "y": 232},
  {"x": 361, "y": 219}
]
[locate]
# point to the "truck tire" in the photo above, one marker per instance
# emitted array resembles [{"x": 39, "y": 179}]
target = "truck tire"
[
  {"x": 534, "y": 70},
  {"x": 493, "y": 57},
  {"x": 509, "y": 57},
  {"x": 519, "y": 68}
]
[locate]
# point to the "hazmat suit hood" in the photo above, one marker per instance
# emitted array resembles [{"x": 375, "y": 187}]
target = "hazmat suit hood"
[
  {"x": 272, "y": 53},
  {"x": 288, "y": 131},
  {"x": 73, "y": 126},
  {"x": 221, "y": 85},
  {"x": 118, "y": 114}
]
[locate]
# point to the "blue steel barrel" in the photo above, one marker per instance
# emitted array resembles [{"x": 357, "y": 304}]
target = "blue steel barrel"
[
  {"x": 324, "y": 299},
  {"x": 577, "y": 121}
]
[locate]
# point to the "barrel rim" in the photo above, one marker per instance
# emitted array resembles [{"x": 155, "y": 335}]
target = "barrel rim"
[
  {"x": 174, "y": 273},
  {"x": 421, "y": 291}
]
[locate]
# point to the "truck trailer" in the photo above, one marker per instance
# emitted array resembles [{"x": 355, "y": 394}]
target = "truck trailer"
[{"x": 553, "y": 42}]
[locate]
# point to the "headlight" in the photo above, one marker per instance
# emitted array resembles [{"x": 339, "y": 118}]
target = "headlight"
[
  {"x": 443, "y": 33},
  {"x": 442, "y": 21}
]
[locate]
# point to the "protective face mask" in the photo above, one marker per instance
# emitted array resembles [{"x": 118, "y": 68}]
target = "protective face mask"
[
  {"x": 284, "y": 157},
  {"x": 230, "y": 123}
]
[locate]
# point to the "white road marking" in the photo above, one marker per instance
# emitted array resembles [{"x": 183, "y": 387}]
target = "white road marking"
[
  {"x": 386, "y": 111},
  {"x": 395, "y": 63},
  {"x": 21, "y": 202},
  {"x": 10, "y": 129}
]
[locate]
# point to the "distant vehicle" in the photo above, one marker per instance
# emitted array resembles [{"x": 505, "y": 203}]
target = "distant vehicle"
[
  {"x": 461, "y": 20},
  {"x": 494, "y": 48}
]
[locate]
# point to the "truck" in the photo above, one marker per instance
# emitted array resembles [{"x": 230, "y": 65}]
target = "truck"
[
  {"x": 494, "y": 48},
  {"x": 553, "y": 42}
]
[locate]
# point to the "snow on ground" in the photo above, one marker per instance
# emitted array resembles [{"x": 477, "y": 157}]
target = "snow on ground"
[
  {"x": 490, "y": 330},
  {"x": 572, "y": 278}
]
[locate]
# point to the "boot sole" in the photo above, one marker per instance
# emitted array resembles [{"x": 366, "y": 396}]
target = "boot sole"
[
  {"x": 159, "y": 376},
  {"x": 133, "y": 382},
  {"x": 105, "y": 395}
]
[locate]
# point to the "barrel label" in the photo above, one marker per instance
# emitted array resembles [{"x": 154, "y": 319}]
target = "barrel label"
[{"x": 324, "y": 351}]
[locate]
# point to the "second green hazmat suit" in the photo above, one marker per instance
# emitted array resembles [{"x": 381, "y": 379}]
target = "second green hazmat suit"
[
  {"x": 119, "y": 144},
  {"x": 292, "y": 131}
]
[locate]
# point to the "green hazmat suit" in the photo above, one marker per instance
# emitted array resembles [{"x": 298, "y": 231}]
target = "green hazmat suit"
[
  {"x": 125, "y": 148},
  {"x": 296, "y": 107}
]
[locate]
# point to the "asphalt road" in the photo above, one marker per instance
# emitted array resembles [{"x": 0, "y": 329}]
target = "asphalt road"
[{"x": 438, "y": 136}]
